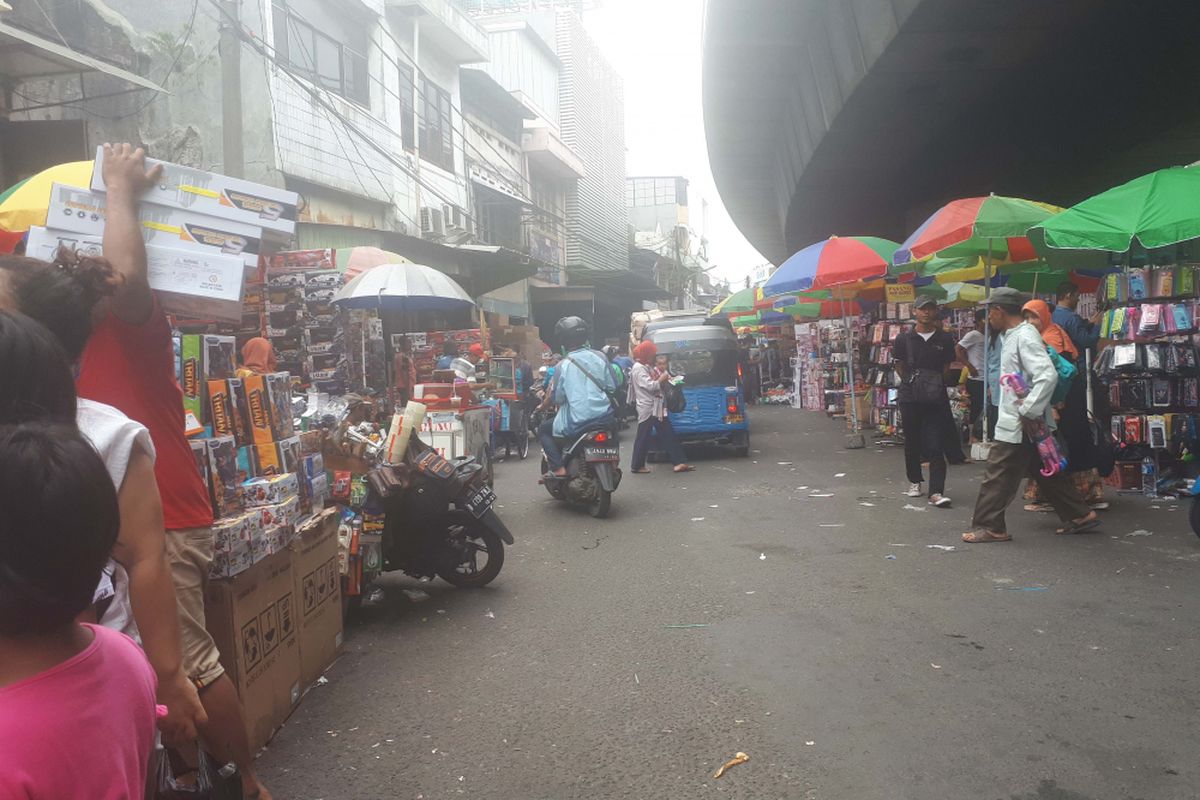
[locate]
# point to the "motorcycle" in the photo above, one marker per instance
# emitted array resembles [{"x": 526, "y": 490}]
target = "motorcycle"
[
  {"x": 439, "y": 518},
  {"x": 593, "y": 473}
]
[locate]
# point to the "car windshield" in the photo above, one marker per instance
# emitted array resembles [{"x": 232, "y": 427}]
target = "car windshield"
[{"x": 705, "y": 367}]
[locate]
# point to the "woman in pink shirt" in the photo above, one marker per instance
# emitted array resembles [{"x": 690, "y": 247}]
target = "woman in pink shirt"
[{"x": 77, "y": 714}]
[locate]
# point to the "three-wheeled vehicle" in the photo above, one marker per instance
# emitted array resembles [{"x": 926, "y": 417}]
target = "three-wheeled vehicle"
[{"x": 707, "y": 358}]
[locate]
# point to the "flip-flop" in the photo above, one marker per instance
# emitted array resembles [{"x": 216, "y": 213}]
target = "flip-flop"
[
  {"x": 985, "y": 537},
  {"x": 1079, "y": 527},
  {"x": 641, "y": 471},
  {"x": 685, "y": 468}
]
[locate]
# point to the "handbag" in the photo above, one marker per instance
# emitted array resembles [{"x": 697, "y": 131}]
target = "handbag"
[
  {"x": 673, "y": 399},
  {"x": 921, "y": 385}
]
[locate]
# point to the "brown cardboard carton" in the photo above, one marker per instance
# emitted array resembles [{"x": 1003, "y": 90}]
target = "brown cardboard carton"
[
  {"x": 318, "y": 594},
  {"x": 253, "y": 617}
]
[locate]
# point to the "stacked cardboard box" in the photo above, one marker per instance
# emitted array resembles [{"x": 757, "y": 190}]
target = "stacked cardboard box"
[
  {"x": 299, "y": 314},
  {"x": 325, "y": 346}
]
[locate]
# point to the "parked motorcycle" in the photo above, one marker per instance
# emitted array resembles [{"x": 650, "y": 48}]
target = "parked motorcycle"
[
  {"x": 439, "y": 518},
  {"x": 593, "y": 472}
]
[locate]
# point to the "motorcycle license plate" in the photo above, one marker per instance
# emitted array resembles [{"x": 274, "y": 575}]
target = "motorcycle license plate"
[
  {"x": 479, "y": 503},
  {"x": 602, "y": 454}
]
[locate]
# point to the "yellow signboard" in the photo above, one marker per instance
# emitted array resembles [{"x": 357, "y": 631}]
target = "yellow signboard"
[{"x": 900, "y": 292}]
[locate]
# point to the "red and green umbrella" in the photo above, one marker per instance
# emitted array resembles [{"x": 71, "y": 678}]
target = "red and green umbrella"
[
  {"x": 977, "y": 226},
  {"x": 836, "y": 261}
]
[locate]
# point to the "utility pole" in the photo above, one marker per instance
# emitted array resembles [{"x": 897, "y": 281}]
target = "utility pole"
[{"x": 233, "y": 157}]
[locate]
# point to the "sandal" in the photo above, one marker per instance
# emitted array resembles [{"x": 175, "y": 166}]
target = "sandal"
[
  {"x": 1042, "y": 507},
  {"x": 984, "y": 537},
  {"x": 642, "y": 471},
  {"x": 684, "y": 468},
  {"x": 1090, "y": 522}
]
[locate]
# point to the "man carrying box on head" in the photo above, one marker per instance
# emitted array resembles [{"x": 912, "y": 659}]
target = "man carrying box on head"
[{"x": 128, "y": 364}]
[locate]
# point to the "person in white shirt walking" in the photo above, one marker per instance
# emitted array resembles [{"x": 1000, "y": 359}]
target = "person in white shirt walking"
[
  {"x": 970, "y": 352},
  {"x": 1013, "y": 456}
]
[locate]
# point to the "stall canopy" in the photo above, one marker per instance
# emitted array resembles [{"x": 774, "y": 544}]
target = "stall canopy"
[{"x": 408, "y": 288}]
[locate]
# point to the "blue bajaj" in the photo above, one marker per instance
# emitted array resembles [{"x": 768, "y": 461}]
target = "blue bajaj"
[{"x": 707, "y": 358}]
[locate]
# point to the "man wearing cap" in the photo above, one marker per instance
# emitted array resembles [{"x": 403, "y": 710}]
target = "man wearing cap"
[
  {"x": 1013, "y": 456},
  {"x": 921, "y": 357}
]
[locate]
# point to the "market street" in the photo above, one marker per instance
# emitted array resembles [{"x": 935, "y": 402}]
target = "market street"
[{"x": 1049, "y": 668}]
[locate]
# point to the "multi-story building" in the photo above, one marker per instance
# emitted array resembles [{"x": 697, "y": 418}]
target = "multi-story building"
[{"x": 668, "y": 247}]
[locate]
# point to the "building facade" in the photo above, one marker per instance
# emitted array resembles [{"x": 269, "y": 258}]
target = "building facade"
[{"x": 668, "y": 242}]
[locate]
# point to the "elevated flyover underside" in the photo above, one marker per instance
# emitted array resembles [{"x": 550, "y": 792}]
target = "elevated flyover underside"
[{"x": 863, "y": 116}]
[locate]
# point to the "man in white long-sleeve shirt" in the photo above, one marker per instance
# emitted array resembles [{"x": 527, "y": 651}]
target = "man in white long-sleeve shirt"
[{"x": 1013, "y": 455}]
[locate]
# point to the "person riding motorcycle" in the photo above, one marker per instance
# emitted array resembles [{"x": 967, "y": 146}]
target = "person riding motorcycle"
[{"x": 583, "y": 388}]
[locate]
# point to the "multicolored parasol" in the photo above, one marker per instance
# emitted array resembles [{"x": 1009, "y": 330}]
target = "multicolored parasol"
[
  {"x": 837, "y": 260},
  {"x": 977, "y": 226}
]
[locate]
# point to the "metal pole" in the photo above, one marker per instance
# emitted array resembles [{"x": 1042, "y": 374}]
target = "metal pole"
[
  {"x": 855, "y": 440},
  {"x": 987, "y": 293},
  {"x": 232, "y": 155}
]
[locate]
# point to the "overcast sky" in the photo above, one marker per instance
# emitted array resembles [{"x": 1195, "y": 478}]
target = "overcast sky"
[{"x": 655, "y": 45}]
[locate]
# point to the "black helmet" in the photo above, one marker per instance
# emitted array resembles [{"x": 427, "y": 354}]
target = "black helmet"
[{"x": 571, "y": 332}]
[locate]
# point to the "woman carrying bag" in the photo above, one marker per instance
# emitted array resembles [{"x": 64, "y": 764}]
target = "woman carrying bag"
[{"x": 646, "y": 389}]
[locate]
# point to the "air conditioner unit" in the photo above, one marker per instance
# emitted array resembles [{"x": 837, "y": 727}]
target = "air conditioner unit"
[
  {"x": 432, "y": 222},
  {"x": 457, "y": 219}
]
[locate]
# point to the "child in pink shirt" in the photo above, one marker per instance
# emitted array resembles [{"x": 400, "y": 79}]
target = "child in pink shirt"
[{"x": 77, "y": 714}]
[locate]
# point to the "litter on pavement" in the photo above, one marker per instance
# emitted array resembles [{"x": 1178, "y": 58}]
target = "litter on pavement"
[
  {"x": 1021, "y": 588},
  {"x": 762, "y": 556},
  {"x": 946, "y": 548},
  {"x": 415, "y": 595},
  {"x": 688, "y": 625},
  {"x": 890, "y": 556},
  {"x": 740, "y": 758},
  {"x": 911, "y": 507},
  {"x": 697, "y": 519},
  {"x": 1140, "y": 532},
  {"x": 489, "y": 614}
]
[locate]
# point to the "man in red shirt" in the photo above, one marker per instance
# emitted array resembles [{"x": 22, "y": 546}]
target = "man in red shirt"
[{"x": 129, "y": 364}]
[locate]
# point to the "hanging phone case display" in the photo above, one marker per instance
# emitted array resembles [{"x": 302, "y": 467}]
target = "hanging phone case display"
[
  {"x": 1150, "y": 374},
  {"x": 881, "y": 374},
  {"x": 835, "y": 367},
  {"x": 807, "y": 368}
]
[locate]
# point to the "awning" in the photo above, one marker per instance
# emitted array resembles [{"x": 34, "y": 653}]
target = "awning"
[
  {"x": 27, "y": 56},
  {"x": 620, "y": 280}
]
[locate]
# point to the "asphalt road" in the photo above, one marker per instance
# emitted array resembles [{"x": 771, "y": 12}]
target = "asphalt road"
[{"x": 1047, "y": 668}]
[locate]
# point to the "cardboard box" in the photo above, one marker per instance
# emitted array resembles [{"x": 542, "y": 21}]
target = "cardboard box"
[
  {"x": 200, "y": 453},
  {"x": 267, "y": 460},
  {"x": 231, "y": 533},
  {"x": 219, "y": 357},
  {"x": 325, "y": 279},
  {"x": 279, "y": 392},
  {"x": 286, "y": 512},
  {"x": 253, "y": 619},
  {"x": 82, "y": 211},
  {"x": 199, "y": 285},
  {"x": 269, "y": 491},
  {"x": 192, "y": 377},
  {"x": 258, "y": 405},
  {"x": 303, "y": 260},
  {"x": 236, "y": 389},
  {"x": 318, "y": 590},
  {"x": 224, "y": 489},
  {"x": 220, "y": 409},
  {"x": 191, "y": 189}
]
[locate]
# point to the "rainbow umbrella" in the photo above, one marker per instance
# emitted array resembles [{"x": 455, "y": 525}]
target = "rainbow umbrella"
[
  {"x": 740, "y": 302},
  {"x": 837, "y": 260},
  {"x": 991, "y": 226},
  {"x": 25, "y": 204}
]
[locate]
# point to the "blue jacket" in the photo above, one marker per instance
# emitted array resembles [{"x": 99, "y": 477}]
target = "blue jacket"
[
  {"x": 580, "y": 401},
  {"x": 1083, "y": 333}
]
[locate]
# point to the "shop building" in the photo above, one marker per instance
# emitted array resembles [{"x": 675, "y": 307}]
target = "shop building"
[{"x": 669, "y": 247}]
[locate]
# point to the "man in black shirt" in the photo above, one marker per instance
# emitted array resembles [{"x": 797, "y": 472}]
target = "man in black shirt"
[{"x": 921, "y": 357}]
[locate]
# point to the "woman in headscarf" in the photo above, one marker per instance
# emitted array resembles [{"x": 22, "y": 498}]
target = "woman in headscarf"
[
  {"x": 258, "y": 358},
  {"x": 1072, "y": 413},
  {"x": 646, "y": 393}
]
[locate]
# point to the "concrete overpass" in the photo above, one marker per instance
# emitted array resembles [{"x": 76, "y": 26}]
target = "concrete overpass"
[{"x": 863, "y": 116}]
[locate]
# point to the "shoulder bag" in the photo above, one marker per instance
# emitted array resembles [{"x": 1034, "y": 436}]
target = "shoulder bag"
[
  {"x": 612, "y": 402},
  {"x": 921, "y": 385}
]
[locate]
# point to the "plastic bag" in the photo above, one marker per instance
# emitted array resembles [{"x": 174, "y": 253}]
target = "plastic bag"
[{"x": 166, "y": 787}]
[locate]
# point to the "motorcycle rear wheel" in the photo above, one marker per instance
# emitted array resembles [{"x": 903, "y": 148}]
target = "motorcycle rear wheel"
[
  {"x": 483, "y": 540},
  {"x": 602, "y": 504}
]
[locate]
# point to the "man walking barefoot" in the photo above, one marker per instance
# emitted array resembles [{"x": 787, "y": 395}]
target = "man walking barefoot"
[{"x": 1013, "y": 456}]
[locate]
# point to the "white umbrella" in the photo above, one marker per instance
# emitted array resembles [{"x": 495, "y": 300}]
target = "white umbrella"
[{"x": 403, "y": 287}]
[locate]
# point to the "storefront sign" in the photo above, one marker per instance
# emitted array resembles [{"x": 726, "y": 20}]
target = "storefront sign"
[{"x": 900, "y": 292}]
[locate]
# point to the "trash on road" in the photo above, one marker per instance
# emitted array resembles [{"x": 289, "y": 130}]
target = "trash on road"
[
  {"x": 322, "y": 681},
  {"x": 714, "y": 506},
  {"x": 1140, "y": 532},
  {"x": 935, "y": 666},
  {"x": 821, "y": 494},
  {"x": 809, "y": 744},
  {"x": 801, "y": 488},
  {"x": 489, "y": 614},
  {"x": 839, "y": 474},
  {"x": 740, "y": 758},
  {"x": 785, "y": 463},
  {"x": 911, "y": 507},
  {"x": 697, "y": 519},
  {"x": 832, "y": 525},
  {"x": 1021, "y": 588},
  {"x": 762, "y": 556},
  {"x": 868, "y": 505},
  {"x": 688, "y": 625},
  {"x": 946, "y": 548},
  {"x": 415, "y": 595},
  {"x": 890, "y": 556}
]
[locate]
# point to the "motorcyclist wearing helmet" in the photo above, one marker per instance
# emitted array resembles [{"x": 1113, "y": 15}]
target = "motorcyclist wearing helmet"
[{"x": 584, "y": 385}]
